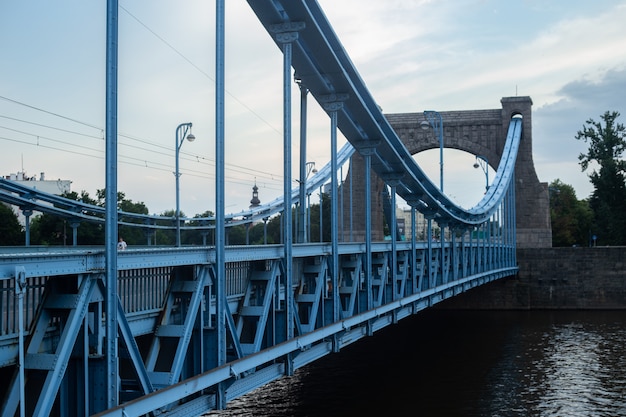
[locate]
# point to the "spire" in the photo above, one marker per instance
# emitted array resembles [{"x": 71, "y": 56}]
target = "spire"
[{"x": 255, "y": 202}]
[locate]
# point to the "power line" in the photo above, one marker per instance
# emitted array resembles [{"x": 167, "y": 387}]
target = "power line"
[
  {"x": 49, "y": 112},
  {"x": 191, "y": 157},
  {"x": 141, "y": 163},
  {"x": 169, "y": 45},
  {"x": 50, "y": 127}
]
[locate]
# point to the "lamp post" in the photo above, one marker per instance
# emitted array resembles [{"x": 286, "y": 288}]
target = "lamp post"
[
  {"x": 309, "y": 169},
  {"x": 181, "y": 134},
  {"x": 435, "y": 120},
  {"x": 482, "y": 162}
]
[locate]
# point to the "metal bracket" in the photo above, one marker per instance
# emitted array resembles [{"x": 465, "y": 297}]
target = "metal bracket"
[
  {"x": 287, "y": 27},
  {"x": 330, "y": 98},
  {"x": 333, "y": 102},
  {"x": 287, "y": 32},
  {"x": 287, "y": 37},
  {"x": 367, "y": 147},
  {"x": 415, "y": 201},
  {"x": 20, "y": 280},
  {"x": 392, "y": 178}
]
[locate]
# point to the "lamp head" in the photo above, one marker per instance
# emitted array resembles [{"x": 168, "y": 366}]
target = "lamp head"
[
  {"x": 476, "y": 165},
  {"x": 425, "y": 125},
  {"x": 191, "y": 137}
]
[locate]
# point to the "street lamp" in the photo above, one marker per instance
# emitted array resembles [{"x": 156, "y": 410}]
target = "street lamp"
[
  {"x": 181, "y": 133},
  {"x": 435, "y": 120},
  {"x": 482, "y": 162},
  {"x": 309, "y": 168}
]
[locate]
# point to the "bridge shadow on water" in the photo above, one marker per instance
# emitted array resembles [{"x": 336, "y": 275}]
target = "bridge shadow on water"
[
  {"x": 459, "y": 363},
  {"x": 436, "y": 363}
]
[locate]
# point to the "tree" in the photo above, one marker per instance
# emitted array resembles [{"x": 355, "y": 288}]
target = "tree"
[
  {"x": 50, "y": 229},
  {"x": 133, "y": 235},
  {"x": 198, "y": 237},
  {"x": 324, "y": 218},
  {"x": 604, "y": 158},
  {"x": 571, "y": 218},
  {"x": 11, "y": 233}
]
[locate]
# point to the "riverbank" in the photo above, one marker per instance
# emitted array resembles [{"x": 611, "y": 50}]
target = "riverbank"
[{"x": 555, "y": 278}]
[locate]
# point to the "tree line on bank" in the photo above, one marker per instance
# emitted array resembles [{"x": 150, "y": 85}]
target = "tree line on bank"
[
  {"x": 52, "y": 230},
  {"x": 599, "y": 219}
]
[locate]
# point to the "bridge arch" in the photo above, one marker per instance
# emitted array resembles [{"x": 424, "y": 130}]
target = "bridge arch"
[{"x": 479, "y": 132}]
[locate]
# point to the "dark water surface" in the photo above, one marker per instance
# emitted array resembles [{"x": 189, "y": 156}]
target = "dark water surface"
[{"x": 463, "y": 363}]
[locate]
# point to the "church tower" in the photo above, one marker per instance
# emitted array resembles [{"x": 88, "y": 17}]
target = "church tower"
[{"x": 255, "y": 202}]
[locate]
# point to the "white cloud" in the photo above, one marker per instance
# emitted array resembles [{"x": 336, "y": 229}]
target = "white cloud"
[{"x": 569, "y": 57}]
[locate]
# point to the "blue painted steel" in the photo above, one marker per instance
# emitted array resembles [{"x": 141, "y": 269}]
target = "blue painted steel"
[
  {"x": 238, "y": 317},
  {"x": 360, "y": 118},
  {"x": 22, "y": 196},
  {"x": 393, "y": 230},
  {"x": 112, "y": 374},
  {"x": 332, "y": 107},
  {"x": 220, "y": 229},
  {"x": 20, "y": 287},
  {"x": 368, "y": 227},
  {"x": 180, "y": 138},
  {"x": 133, "y": 351},
  {"x": 287, "y": 36},
  {"x": 303, "y": 233},
  {"x": 435, "y": 120},
  {"x": 316, "y": 255}
]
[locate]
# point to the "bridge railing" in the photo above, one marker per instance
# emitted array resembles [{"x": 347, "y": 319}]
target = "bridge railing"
[{"x": 142, "y": 290}]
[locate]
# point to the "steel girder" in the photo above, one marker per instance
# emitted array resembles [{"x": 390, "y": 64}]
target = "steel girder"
[{"x": 182, "y": 344}]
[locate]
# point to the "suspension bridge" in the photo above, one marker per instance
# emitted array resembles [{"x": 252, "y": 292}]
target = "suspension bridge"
[{"x": 182, "y": 330}]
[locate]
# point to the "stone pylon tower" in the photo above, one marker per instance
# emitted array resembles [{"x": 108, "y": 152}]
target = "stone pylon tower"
[{"x": 479, "y": 132}]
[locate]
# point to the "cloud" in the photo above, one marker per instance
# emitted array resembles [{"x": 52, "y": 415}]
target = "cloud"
[{"x": 556, "y": 124}]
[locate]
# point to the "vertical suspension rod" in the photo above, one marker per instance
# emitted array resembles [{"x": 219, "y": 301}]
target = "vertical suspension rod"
[
  {"x": 286, "y": 33},
  {"x": 288, "y": 221},
  {"x": 367, "y": 153},
  {"x": 394, "y": 237},
  {"x": 112, "y": 374},
  {"x": 334, "y": 231},
  {"x": 332, "y": 104},
  {"x": 303, "y": 206},
  {"x": 220, "y": 230}
]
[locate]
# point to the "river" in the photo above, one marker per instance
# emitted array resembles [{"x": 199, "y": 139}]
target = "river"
[{"x": 463, "y": 363}]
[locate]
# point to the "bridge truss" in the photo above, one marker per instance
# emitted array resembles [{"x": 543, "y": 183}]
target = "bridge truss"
[{"x": 180, "y": 331}]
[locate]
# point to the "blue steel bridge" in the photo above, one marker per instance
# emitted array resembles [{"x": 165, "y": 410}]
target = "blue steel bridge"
[{"x": 179, "y": 331}]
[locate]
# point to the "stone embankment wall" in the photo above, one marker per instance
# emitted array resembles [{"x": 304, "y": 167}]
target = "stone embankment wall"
[{"x": 556, "y": 278}]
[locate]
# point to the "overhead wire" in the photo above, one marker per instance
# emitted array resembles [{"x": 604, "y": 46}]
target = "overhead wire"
[{"x": 262, "y": 175}]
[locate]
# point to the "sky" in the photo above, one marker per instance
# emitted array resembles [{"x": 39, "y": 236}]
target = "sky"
[{"x": 568, "y": 56}]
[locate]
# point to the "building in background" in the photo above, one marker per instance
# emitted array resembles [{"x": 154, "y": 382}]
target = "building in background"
[{"x": 40, "y": 183}]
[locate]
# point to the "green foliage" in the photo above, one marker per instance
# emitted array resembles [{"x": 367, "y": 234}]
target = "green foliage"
[
  {"x": 11, "y": 233},
  {"x": 166, "y": 236},
  {"x": 604, "y": 158},
  {"x": 199, "y": 237},
  {"x": 323, "y": 220},
  {"x": 236, "y": 235},
  {"x": 571, "y": 218},
  {"x": 49, "y": 229}
]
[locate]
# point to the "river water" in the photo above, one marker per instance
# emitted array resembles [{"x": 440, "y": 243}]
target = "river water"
[{"x": 463, "y": 363}]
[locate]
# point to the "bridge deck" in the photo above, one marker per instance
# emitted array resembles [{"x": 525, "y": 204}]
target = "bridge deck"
[
  {"x": 157, "y": 288},
  {"x": 188, "y": 328}
]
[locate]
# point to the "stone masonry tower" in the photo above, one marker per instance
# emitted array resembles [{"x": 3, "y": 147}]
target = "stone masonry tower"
[{"x": 479, "y": 132}]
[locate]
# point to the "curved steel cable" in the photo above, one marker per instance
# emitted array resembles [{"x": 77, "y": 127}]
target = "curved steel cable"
[
  {"x": 32, "y": 199},
  {"x": 324, "y": 67}
]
